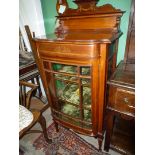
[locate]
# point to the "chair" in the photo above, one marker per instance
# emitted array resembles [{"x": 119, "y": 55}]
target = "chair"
[
  {"x": 39, "y": 102},
  {"x": 28, "y": 116}
]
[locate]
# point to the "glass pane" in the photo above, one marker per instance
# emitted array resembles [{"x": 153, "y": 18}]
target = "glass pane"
[
  {"x": 68, "y": 92},
  {"x": 87, "y": 115},
  {"x": 64, "y": 77},
  {"x": 75, "y": 122},
  {"x": 87, "y": 97},
  {"x": 85, "y": 70},
  {"x": 72, "y": 121},
  {"x": 64, "y": 117},
  {"x": 85, "y": 81},
  {"x": 87, "y": 126},
  {"x": 65, "y": 68},
  {"x": 71, "y": 110}
]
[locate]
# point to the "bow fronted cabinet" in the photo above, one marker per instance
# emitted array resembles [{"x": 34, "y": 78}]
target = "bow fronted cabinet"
[{"x": 75, "y": 62}]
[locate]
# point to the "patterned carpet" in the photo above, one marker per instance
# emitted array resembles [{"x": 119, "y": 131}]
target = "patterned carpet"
[{"x": 65, "y": 142}]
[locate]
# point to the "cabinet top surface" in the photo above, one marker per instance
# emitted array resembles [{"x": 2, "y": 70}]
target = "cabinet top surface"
[
  {"x": 101, "y": 36},
  {"x": 124, "y": 76}
]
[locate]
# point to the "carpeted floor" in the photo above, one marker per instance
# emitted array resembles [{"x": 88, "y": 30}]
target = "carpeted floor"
[{"x": 65, "y": 142}]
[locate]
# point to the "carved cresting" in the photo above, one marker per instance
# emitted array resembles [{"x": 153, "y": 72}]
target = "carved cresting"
[
  {"x": 87, "y": 16},
  {"x": 86, "y": 5}
]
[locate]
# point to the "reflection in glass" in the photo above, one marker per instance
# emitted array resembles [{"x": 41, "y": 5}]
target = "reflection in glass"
[
  {"x": 85, "y": 70},
  {"x": 71, "y": 110},
  {"x": 65, "y": 68},
  {"x": 87, "y": 97},
  {"x": 85, "y": 81},
  {"x": 87, "y": 115},
  {"x": 63, "y": 77},
  {"x": 75, "y": 122},
  {"x": 72, "y": 121},
  {"x": 68, "y": 92},
  {"x": 68, "y": 88},
  {"x": 75, "y": 112}
]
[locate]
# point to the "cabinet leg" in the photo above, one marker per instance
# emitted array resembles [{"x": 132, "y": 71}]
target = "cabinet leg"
[
  {"x": 100, "y": 140},
  {"x": 56, "y": 126},
  {"x": 109, "y": 129},
  {"x": 100, "y": 143}
]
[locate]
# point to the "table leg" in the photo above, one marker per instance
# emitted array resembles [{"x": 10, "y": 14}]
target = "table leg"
[{"x": 109, "y": 129}]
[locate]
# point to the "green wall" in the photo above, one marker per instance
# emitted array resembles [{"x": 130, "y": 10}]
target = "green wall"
[{"x": 49, "y": 13}]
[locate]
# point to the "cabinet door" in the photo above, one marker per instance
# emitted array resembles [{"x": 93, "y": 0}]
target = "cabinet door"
[{"x": 70, "y": 88}]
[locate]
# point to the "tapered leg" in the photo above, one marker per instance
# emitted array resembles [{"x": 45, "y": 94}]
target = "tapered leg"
[
  {"x": 42, "y": 122},
  {"x": 109, "y": 129},
  {"x": 100, "y": 140},
  {"x": 56, "y": 126}
]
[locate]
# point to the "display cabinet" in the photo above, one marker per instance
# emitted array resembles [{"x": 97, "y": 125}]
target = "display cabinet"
[{"x": 75, "y": 62}]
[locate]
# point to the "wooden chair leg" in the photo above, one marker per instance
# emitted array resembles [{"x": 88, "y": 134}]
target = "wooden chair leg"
[{"x": 42, "y": 122}]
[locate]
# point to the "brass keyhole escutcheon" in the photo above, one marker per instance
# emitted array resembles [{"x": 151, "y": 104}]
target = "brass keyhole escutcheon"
[{"x": 126, "y": 100}]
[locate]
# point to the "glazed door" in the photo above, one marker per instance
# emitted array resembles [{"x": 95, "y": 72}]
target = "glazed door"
[{"x": 70, "y": 88}]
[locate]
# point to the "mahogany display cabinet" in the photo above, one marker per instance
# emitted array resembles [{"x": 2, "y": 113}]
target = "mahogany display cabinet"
[{"x": 75, "y": 62}]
